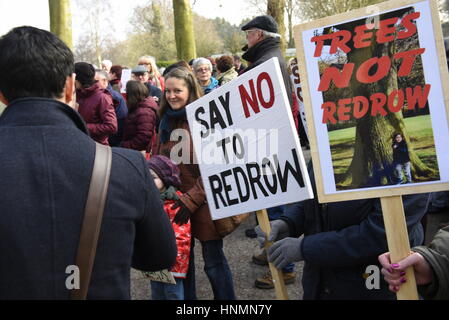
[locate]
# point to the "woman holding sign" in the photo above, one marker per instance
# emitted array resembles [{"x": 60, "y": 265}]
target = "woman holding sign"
[{"x": 181, "y": 89}]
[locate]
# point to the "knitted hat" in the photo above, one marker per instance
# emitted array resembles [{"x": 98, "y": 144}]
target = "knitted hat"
[
  {"x": 166, "y": 170},
  {"x": 85, "y": 73},
  {"x": 266, "y": 23}
]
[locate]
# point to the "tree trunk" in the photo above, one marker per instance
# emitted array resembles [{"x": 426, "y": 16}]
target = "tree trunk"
[
  {"x": 185, "y": 39},
  {"x": 371, "y": 164},
  {"x": 61, "y": 20},
  {"x": 276, "y": 9},
  {"x": 289, "y": 9}
]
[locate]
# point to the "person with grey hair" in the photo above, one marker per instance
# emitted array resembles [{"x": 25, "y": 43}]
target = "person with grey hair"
[
  {"x": 202, "y": 68},
  {"x": 106, "y": 65}
]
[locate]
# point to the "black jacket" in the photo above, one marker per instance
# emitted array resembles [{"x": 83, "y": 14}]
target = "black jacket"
[
  {"x": 264, "y": 51},
  {"x": 400, "y": 153},
  {"x": 341, "y": 239},
  {"x": 46, "y": 162}
]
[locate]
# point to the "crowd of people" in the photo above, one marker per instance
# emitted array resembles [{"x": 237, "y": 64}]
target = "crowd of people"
[{"x": 155, "y": 207}]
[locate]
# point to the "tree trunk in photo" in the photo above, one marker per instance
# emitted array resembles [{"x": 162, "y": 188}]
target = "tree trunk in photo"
[
  {"x": 61, "y": 20},
  {"x": 371, "y": 164},
  {"x": 276, "y": 9},
  {"x": 185, "y": 39}
]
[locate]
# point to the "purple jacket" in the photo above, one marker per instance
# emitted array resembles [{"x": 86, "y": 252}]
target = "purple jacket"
[
  {"x": 97, "y": 109},
  {"x": 140, "y": 126}
]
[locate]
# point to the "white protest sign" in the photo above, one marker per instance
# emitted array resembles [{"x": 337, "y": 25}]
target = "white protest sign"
[
  {"x": 296, "y": 82},
  {"x": 246, "y": 144},
  {"x": 126, "y": 76}
]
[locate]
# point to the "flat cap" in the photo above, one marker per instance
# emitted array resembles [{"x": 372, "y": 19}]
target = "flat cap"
[{"x": 266, "y": 23}]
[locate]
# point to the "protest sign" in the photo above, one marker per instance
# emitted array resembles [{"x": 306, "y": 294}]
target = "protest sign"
[
  {"x": 367, "y": 77},
  {"x": 246, "y": 146},
  {"x": 126, "y": 76},
  {"x": 296, "y": 82},
  {"x": 375, "y": 88}
]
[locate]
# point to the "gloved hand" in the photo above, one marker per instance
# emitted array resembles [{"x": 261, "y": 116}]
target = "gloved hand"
[
  {"x": 285, "y": 251},
  {"x": 279, "y": 230},
  {"x": 183, "y": 215}
]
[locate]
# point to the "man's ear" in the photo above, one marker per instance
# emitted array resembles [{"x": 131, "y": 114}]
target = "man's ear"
[
  {"x": 69, "y": 89},
  {"x": 3, "y": 99}
]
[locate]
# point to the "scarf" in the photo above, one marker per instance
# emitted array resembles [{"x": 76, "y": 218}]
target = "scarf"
[{"x": 169, "y": 116}]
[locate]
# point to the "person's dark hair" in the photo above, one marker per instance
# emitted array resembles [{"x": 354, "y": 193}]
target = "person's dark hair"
[
  {"x": 136, "y": 92},
  {"x": 117, "y": 70},
  {"x": 33, "y": 63},
  {"x": 224, "y": 63},
  {"x": 85, "y": 74},
  {"x": 179, "y": 64},
  {"x": 195, "y": 90},
  {"x": 397, "y": 134}
]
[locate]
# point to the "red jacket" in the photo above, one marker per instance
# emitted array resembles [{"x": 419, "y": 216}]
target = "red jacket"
[
  {"x": 97, "y": 109},
  {"x": 140, "y": 126},
  {"x": 183, "y": 238}
]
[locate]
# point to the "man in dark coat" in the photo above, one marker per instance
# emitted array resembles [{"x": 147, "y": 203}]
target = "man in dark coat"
[
  {"x": 46, "y": 161},
  {"x": 341, "y": 239},
  {"x": 263, "y": 43}
]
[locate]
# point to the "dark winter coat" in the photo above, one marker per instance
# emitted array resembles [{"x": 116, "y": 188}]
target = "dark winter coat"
[
  {"x": 342, "y": 239},
  {"x": 97, "y": 109},
  {"x": 154, "y": 91},
  {"x": 264, "y": 51},
  {"x": 46, "y": 161},
  {"x": 140, "y": 126},
  {"x": 400, "y": 153}
]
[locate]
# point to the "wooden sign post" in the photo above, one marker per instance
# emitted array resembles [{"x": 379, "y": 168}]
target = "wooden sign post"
[
  {"x": 375, "y": 85},
  {"x": 398, "y": 242},
  {"x": 276, "y": 274}
]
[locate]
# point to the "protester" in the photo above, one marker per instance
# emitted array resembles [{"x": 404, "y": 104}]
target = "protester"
[
  {"x": 95, "y": 104},
  {"x": 155, "y": 77},
  {"x": 142, "y": 121},
  {"x": 226, "y": 71},
  {"x": 181, "y": 89},
  {"x": 106, "y": 65},
  {"x": 430, "y": 264},
  {"x": 202, "y": 68},
  {"x": 140, "y": 73},
  {"x": 121, "y": 110},
  {"x": 115, "y": 77},
  {"x": 214, "y": 66},
  {"x": 47, "y": 161},
  {"x": 166, "y": 176},
  {"x": 341, "y": 239},
  {"x": 263, "y": 43}
]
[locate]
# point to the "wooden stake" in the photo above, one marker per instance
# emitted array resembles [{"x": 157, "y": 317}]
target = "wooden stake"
[
  {"x": 398, "y": 242},
  {"x": 278, "y": 279}
]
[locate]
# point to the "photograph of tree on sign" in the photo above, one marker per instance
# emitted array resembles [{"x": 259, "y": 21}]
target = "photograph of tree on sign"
[
  {"x": 377, "y": 99},
  {"x": 389, "y": 102}
]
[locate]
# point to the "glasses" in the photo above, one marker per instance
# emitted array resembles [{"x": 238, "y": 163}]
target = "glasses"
[
  {"x": 249, "y": 31},
  {"x": 202, "y": 70}
]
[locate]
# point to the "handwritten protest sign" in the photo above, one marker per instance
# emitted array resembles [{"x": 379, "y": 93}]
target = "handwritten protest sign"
[
  {"x": 296, "y": 82},
  {"x": 246, "y": 146}
]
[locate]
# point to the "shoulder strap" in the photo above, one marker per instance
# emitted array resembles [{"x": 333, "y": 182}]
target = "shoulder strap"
[{"x": 93, "y": 215}]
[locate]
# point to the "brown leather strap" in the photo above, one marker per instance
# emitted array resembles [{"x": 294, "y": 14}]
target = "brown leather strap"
[{"x": 93, "y": 215}]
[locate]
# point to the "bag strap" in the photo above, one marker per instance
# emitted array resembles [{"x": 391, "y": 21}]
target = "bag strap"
[{"x": 93, "y": 215}]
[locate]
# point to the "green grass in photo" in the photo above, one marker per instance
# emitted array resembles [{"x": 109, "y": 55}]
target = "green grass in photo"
[{"x": 419, "y": 129}]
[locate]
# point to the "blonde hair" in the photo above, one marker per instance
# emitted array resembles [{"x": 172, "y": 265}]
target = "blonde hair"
[{"x": 150, "y": 62}]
